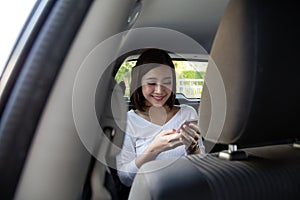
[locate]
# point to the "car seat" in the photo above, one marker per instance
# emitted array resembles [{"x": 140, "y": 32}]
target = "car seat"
[{"x": 255, "y": 53}]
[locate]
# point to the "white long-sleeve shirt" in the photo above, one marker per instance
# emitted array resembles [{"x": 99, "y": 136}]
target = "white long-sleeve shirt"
[{"x": 141, "y": 132}]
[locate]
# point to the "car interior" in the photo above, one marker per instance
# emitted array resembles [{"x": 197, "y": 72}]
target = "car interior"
[{"x": 63, "y": 114}]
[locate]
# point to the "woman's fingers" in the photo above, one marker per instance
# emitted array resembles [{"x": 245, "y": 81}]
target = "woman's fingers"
[
  {"x": 187, "y": 140},
  {"x": 190, "y": 134},
  {"x": 173, "y": 137},
  {"x": 195, "y": 128},
  {"x": 172, "y": 141},
  {"x": 192, "y": 130}
]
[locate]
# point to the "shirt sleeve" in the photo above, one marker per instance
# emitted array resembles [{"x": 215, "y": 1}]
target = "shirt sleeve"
[{"x": 126, "y": 166}]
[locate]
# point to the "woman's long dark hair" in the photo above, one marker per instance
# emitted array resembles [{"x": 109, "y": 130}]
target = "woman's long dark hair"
[{"x": 147, "y": 61}]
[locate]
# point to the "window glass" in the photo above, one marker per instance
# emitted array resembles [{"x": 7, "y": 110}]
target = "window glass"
[
  {"x": 189, "y": 77},
  {"x": 13, "y": 15}
]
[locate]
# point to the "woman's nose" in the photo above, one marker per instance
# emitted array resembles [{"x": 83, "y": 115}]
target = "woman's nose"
[{"x": 158, "y": 88}]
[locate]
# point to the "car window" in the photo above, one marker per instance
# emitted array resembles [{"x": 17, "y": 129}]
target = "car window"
[
  {"x": 13, "y": 15},
  {"x": 189, "y": 77}
]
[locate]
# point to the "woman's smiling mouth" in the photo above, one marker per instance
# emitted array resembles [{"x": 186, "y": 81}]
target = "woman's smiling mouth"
[{"x": 158, "y": 98}]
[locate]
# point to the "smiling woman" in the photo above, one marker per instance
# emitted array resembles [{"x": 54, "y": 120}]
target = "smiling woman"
[
  {"x": 151, "y": 126},
  {"x": 13, "y": 15}
]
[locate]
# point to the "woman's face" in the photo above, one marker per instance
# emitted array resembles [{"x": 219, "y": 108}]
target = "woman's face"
[{"x": 157, "y": 85}]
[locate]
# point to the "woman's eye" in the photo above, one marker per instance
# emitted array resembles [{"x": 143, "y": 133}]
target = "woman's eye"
[
  {"x": 167, "y": 83},
  {"x": 151, "y": 83}
]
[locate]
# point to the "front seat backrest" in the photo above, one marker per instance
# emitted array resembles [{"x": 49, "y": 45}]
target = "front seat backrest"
[{"x": 256, "y": 52}]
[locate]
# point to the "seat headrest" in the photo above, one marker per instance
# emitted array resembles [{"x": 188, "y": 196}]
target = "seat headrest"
[{"x": 256, "y": 52}]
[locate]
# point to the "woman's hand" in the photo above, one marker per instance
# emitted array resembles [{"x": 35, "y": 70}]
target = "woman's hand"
[
  {"x": 165, "y": 140},
  {"x": 190, "y": 135}
]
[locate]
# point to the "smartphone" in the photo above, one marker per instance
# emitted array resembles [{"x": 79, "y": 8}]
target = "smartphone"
[{"x": 187, "y": 122}]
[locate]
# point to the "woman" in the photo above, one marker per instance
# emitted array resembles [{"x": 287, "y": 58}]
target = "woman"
[{"x": 155, "y": 128}]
